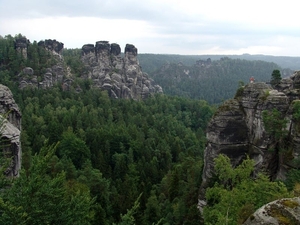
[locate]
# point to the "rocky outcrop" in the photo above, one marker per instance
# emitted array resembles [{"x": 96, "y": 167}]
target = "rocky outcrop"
[
  {"x": 52, "y": 76},
  {"x": 203, "y": 63},
  {"x": 121, "y": 77},
  {"x": 21, "y": 45},
  {"x": 283, "y": 211},
  {"x": 58, "y": 72},
  {"x": 10, "y": 131},
  {"x": 237, "y": 130},
  {"x": 52, "y": 45}
]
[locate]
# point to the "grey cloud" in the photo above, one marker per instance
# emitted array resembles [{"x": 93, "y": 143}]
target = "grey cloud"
[{"x": 110, "y": 9}]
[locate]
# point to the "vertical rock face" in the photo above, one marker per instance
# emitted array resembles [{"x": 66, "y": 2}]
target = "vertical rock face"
[
  {"x": 21, "y": 45},
  {"x": 237, "y": 130},
  {"x": 10, "y": 132},
  {"x": 121, "y": 77},
  {"x": 104, "y": 65}
]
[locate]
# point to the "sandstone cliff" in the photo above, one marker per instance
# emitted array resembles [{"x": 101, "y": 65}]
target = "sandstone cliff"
[
  {"x": 10, "y": 131},
  {"x": 237, "y": 129},
  {"x": 56, "y": 71},
  {"x": 121, "y": 76}
]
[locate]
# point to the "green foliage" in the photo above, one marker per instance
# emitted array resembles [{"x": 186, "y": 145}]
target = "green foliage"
[
  {"x": 275, "y": 124},
  {"x": 264, "y": 96},
  {"x": 121, "y": 148},
  {"x": 296, "y": 110},
  {"x": 237, "y": 194},
  {"x": 128, "y": 218},
  {"x": 73, "y": 148},
  {"x": 109, "y": 151},
  {"x": 293, "y": 177},
  {"x": 72, "y": 59},
  {"x": 198, "y": 81},
  {"x": 12, "y": 62},
  {"x": 39, "y": 198},
  {"x": 276, "y": 77},
  {"x": 296, "y": 113},
  {"x": 240, "y": 90}
]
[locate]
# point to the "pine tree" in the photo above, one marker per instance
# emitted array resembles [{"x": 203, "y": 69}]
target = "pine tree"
[
  {"x": 37, "y": 197},
  {"x": 276, "y": 78}
]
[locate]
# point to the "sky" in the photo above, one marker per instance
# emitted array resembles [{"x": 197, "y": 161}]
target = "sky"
[{"x": 185, "y": 27}]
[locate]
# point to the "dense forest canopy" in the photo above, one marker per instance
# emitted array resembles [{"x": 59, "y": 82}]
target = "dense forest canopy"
[
  {"x": 152, "y": 62},
  {"x": 115, "y": 161},
  {"x": 213, "y": 81},
  {"x": 107, "y": 161},
  {"x": 120, "y": 149}
]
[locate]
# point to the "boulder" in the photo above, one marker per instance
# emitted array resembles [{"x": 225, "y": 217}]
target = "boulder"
[{"x": 282, "y": 211}]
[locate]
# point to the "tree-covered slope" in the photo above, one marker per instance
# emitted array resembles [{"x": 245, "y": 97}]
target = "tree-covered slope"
[
  {"x": 213, "y": 81},
  {"x": 118, "y": 150},
  {"x": 152, "y": 62}
]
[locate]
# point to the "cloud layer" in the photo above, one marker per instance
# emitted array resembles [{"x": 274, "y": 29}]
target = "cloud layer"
[{"x": 160, "y": 26}]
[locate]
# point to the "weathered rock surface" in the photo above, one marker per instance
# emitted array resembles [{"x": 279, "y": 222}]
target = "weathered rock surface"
[
  {"x": 121, "y": 77},
  {"x": 283, "y": 211},
  {"x": 52, "y": 45},
  {"x": 237, "y": 130},
  {"x": 21, "y": 45},
  {"x": 59, "y": 72},
  {"x": 10, "y": 132},
  {"x": 52, "y": 75}
]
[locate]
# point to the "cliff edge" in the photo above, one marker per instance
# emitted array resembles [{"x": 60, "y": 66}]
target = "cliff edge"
[{"x": 237, "y": 129}]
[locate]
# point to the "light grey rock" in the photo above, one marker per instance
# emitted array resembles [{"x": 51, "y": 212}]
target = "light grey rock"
[
  {"x": 237, "y": 130},
  {"x": 28, "y": 71},
  {"x": 121, "y": 77},
  {"x": 10, "y": 131},
  {"x": 283, "y": 211}
]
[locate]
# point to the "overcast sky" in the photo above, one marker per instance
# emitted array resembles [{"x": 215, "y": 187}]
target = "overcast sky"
[{"x": 192, "y": 27}]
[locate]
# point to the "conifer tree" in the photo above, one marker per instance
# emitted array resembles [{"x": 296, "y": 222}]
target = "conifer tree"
[{"x": 276, "y": 78}]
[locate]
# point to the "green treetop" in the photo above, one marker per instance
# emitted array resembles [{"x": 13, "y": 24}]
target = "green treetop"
[{"x": 276, "y": 77}]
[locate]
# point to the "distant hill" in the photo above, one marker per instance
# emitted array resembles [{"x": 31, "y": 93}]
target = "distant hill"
[
  {"x": 211, "y": 80},
  {"x": 152, "y": 62}
]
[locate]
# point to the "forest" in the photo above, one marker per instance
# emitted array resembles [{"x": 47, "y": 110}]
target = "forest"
[
  {"x": 91, "y": 159},
  {"x": 212, "y": 80},
  {"x": 153, "y": 62}
]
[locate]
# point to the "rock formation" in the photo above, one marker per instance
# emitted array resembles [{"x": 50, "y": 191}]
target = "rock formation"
[
  {"x": 53, "y": 74},
  {"x": 121, "y": 77},
  {"x": 52, "y": 45},
  {"x": 203, "y": 63},
  {"x": 21, "y": 45},
  {"x": 283, "y": 211},
  {"x": 237, "y": 129},
  {"x": 10, "y": 131}
]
